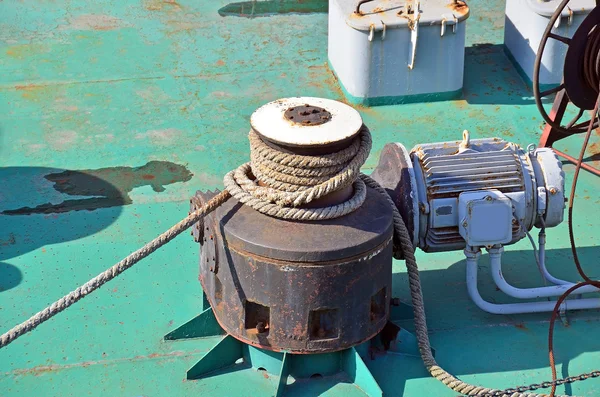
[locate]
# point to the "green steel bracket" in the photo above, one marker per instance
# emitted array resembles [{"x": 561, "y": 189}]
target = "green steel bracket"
[
  {"x": 301, "y": 366},
  {"x": 283, "y": 374},
  {"x": 205, "y": 302},
  {"x": 348, "y": 363},
  {"x": 223, "y": 355},
  {"x": 201, "y": 326},
  {"x": 406, "y": 343},
  {"x": 401, "y": 311},
  {"x": 393, "y": 338},
  {"x": 356, "y": 369}
]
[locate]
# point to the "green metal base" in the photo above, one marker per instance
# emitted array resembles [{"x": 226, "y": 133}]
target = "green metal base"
[
  {"x": 402, "y": 311},
  {"x": 201, "y": 326},
  {"x": 229, "y": 352},
  {"x": 346, "y": 366}
]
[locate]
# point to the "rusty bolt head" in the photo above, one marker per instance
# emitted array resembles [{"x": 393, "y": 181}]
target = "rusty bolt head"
[
  {"x": 422, "y": 207},
  {"x": 553, "y": 190},
  {"x": 307, "y": 115},
  {"x": 488, "y": 198},
  {"x": 465, "y": 224},
  {"x": 261, "y": 327}
]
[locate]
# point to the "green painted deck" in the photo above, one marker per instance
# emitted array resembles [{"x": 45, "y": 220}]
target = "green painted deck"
[{"x": 107, "y": 106}]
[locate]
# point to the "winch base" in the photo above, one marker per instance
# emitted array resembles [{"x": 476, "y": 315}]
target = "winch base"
[
  {"x": 348, "y": 366},
  {"x": 299, "y": 287}
]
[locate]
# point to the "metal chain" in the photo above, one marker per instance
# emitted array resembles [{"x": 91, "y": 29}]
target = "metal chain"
[{"x": 543, "y": 385}]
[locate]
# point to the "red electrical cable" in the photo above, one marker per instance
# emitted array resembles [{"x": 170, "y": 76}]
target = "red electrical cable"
[{"x": 587, "y": 281}]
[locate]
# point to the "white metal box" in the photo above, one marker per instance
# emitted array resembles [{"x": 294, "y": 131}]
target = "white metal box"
[
  {"x": 396, "y": 51},
  {"x": 485, "y": 218},
  {"x": 525, "y": 23}
]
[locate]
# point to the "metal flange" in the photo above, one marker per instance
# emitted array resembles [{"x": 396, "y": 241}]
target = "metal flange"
[{"x": 306, "y": 122}]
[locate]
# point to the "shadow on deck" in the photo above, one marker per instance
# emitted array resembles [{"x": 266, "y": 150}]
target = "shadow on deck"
[
  {"x": 42, "y": 206},
  {"x": 469, "y": 341}
]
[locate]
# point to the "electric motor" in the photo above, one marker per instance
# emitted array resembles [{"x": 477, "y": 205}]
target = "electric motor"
[{"x": 479, "y": 192}]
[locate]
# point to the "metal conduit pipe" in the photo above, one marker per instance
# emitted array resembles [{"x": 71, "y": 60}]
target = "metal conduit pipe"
[
  {"x": 473, "y": 255},
  {"x": 542, "y": 261},
  {"x": 526, "y": 293}
]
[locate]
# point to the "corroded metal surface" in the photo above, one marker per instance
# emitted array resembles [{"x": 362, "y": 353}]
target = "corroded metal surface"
[
  {"x": 285, "y": 286},
  {"x": 307, "y": 115},
  {"x": 394, "y": 174}
]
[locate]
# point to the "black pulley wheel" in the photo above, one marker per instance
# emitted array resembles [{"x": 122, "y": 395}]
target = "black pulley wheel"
[{"x": 580, "y": 73}]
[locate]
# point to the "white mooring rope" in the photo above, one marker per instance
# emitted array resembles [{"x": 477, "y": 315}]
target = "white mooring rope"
[{"x": 287, "y": 182}]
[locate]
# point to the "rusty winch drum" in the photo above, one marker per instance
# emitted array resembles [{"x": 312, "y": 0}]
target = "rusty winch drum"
[{"x": 300, "y": 287}]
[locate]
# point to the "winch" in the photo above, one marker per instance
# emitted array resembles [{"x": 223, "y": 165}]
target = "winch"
[
  {"x": 296, "y": 252},
  {"x": 286, "y": 283},
  {"x": 298, "y": 290},
  {"x": 320, "y": 282},
  {"x": 283, "y": 284}
]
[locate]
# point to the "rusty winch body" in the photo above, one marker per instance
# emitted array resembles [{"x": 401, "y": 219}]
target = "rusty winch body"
[{"x": 300, "y": 286}]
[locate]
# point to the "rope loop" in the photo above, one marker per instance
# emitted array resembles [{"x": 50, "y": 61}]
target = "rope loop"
[{"x": 278, "y": 184}]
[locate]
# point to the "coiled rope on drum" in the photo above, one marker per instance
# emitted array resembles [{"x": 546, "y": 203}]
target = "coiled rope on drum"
[
  {"x": 591, "y": 60},
  {"x": 284, "y": 182}
]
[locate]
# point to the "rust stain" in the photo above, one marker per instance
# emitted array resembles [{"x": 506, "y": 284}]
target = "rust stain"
[
  {"x": 521, "y": 326},
  {"x": 41, "y": 369},
  {"x": 35, "y": 92},
  {"x": 220, "y": 62},
  {"x": 461, "y": 104},
  {"x": 23, "y": 51},
  {"x": 182, "y": 26},
  {"x": 28, "y": 87},
  {"x": 160, "y": 5},
  {"x": 93, "y": 22},
  {"x": 11, "y": 240},
  {"x": 459, "y": 6}
]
